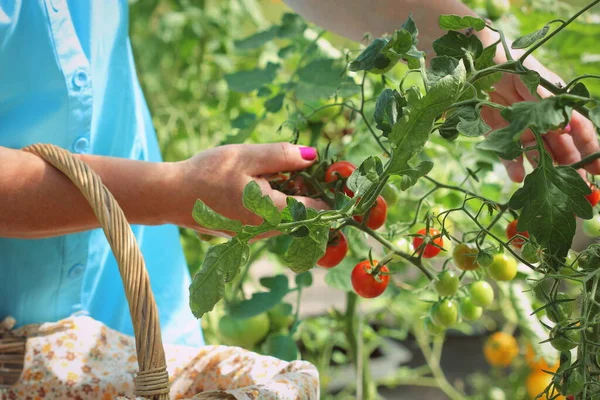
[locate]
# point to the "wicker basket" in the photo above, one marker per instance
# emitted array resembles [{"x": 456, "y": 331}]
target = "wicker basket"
[{"x": 152, "y": 380}]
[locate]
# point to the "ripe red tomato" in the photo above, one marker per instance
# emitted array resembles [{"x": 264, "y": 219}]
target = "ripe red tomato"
[
  {"x": 593, "y": 197},
  {"x": 430, "y": 250},
  {"x": 377, "y": 215},
  {"x": 367, "y": 285},
  {"x": 340, "y": 169},
  {"x": 336, "y": 250},
  {"x": 511, "y": 231}
]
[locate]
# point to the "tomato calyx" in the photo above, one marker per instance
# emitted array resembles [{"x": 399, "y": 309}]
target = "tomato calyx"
[
  {"x": 428, "y": 244},
  {"x": 515, "y": 237}
]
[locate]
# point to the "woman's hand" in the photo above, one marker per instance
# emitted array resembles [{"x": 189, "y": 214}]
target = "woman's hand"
[
  {"x": 566, "y": 146},
  {"x": 219, "y": 175}
]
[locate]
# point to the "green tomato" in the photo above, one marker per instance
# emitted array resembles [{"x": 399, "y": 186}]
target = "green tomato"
[
  {"x": 280, "y": 317},
  {"x": 561, "y": 310},
  {"x": 563, "y": 339},
  {"x": 482, "y": 294},
  {"x": 503, "y": 268},
  {"x": 571, "y": 264},
  {"x": 447, "y": 283},
  {"x": 444, "y": 313},
  {"x": 432, "y": 328},
  {"x": 464, "y": 256},
  {"x": 469, "y": 311},
  {"x": 246, "y": 332},
  {"x": 591, "y": 227},
  {"x": 542, "y": 289},
  {"x": 529, "y": 253},
  {"x": 575, "y": 383},
  {"x": 589, "y": 260},
  {"x": 391, "y": 194},
  {"x": 497, "y": 8}
]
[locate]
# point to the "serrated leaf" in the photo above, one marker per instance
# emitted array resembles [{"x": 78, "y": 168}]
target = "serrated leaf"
[
  {"x": 297, "y": 209},
  {"x": 208, "y": 218},
  {"x": 457, "y": 23},
  {"x": 456, "y": 45},
  {"x": 440, "y": 67},
  {"x": 365, "y": 176},
  {"x": 291, "y": 25},
  {"x": 409, "y": 134},
  {"x": 260, "y": 205},
  {"x": 595, "y": 116},
  {"x": 484, "y": 61},
  {"x": 247, "y": 81},
  {"x": 531, "y": 79},
  {"x": 275, "y": 103},
  {"x": 256, "y": 40},
  {"x": 579, "y": 89},
  {"x": 470, "y": 122},
  {"x": 244, "y": 120},
  {"x": 282, "y": 347},
  {"x": 304, "y": 252},
  {"x": 388, "y": 109},
  {"x": 221, "y": 264},
  {"x": 525, "y": 41},
  {"x": 411, "y": 175},
  {"x": 304, "y": 279},
  {"x": 374, "y": 57},
  {"x": 319, "y": 79},
  {"x": 400, "y": 42},
  {"x": 546, "y": 115},
  {"x": 261, "y": 302},
  {"x": 410, "y": 26},
  {"x": 550, "y": 199}
]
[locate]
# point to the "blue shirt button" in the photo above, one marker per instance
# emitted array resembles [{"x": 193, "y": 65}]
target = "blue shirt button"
[
  {"x": 80, "y": 78},
  {"x": 81, "y": 145},
  {"x": 76, "y": 271}
]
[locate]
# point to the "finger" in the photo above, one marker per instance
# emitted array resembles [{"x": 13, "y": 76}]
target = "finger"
[
  {"x": 280, "y": 198},
  {"x": 276, "y": 157},
  {"x": 585, "y": 139},
  {"x": 562, "y": 147},
  {"x": 515, "y": 169}
]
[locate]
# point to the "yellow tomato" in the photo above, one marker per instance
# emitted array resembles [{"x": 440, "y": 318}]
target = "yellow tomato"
[
  {"x": 537, "y": 382},
  {"x": 537, "y": 363},
  {"x": 500, "y": 349}
]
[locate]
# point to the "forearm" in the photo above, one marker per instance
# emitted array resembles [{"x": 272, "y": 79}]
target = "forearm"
[{"x": 38, "y": 201}]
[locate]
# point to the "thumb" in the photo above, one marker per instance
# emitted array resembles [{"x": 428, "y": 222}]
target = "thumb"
[{"x": 277, "y": 157}]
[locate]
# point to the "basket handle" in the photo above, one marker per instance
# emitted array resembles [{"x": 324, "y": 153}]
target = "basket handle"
[{"x": 152, "y": 380}]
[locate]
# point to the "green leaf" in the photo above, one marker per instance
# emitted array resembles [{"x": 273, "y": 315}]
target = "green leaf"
[
  {"x": 410, "y": 26},
  {"x": 531, "y": 79},
  {"x": 275, "y": 103},
  {"x": 525, "y": 41},
  {"x": 247, "y": 81},
  {"x": 457, "y": 23},
  {"x": 319, "y": 79},
  {"x": 550, "y": 199},
  {"x": 365, "y": 176},
  {"x": 221, "y": 264},
  {"x": 546, "y": 115},
  {"x": 580, "y": 90},
  {"x": 595, "y": 116},
  {"x": 340, "y": 277},
  {"x": 256, "y": 40},
  {"x": 206, "y": 217},
  {"x": 291, "y": 25},
  {"x": 304, "y": 279},
  {"x": 411, "y": 175},
  {"x": 468, "y": 121},
  {"x": 484, "y": 61},
  {"x": 261, "y": 205},
  {"x": 409, "y": 134},
  {"x": 244, "y": 120},
  {"x": 304, "y": 252},
  {"x": 261, "y": 302},
  {"x": 282, "y": 347},
  {"x": 440, "y": 67},
  {"x": 400, "y": 43},
  {"x": 388, "y": 109},
  {"x": 455, "y": 44},
  {"x": 297, "y": 209},
  {"x": 286, "y": 51},
  {"x": 263, "y": 91},
  {"x": 374, "y": 57}
]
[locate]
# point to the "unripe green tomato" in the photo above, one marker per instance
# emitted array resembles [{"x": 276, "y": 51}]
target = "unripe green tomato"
[
  {"x": 561, "y": 310},
  {"x": 245, "y": 332},
  {"x": 571, "y": 264},
  {"x": 405, "y": 246},
  {"x": 497, "y": 8},
  {"x": 482, "y": 294},
  {"x": 280, "y": 317},
  {"x": 390, "y": 194},
  {"x": 469, "y": 311},
  {"x": 591, "y": 227},
  {"x": 541, "y": 290},
  {"x": 432, "y": 328},
  {"x": 444, "y": 313},
  {"x": 575, "y": 383},
  {"x": 447, "y": 283},
  {"x": 529, "y": 253},
  {"x": 563, "y": 339},
  {"x": 503, "y": 268}
]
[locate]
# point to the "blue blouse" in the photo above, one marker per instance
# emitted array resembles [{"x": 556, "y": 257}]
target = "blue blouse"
[{"x": 67, "y": 77}]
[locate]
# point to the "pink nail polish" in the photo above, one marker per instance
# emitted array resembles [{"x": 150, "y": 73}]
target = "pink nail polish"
[
  {"x": 308, "y": 153},
  {"x": 568, "y": 128}
]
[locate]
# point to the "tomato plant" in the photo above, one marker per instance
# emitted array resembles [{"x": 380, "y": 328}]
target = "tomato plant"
[
  {"x": 337, "y": 247},
  {"x": 465, "y": 256},
  {"x": 376, "y": 216},
  {"x": 428, "y": 250},
  {"x": 503, "y": 268},
  {"x": 593, "y": 197},
  {"x": 447, "y": 283},
  {"x": 512, "y": 232},
  {"x": 367, "y": 282},
  {"x": 340, "y": 170},
  {"x": 245, "y": 332},
  {"x": 500, "y": 349},
  {"x": 444, "y": 313}
]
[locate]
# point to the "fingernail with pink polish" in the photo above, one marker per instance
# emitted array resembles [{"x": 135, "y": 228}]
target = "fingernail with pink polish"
[
  {"x": 308, "y": 153},
  {"x": 568, "y": 128}
]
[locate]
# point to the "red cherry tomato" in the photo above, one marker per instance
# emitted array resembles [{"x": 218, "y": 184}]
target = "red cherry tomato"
[
  {"x": 340, "y": 169},
  {"x": 367, "y": 285},
  {"x": 593, "y": 197},
  {"x": 430, "y": 250},
  {"x": 377, "y": 215},
  {"x": 336, "y": 250},
  {"x": 511, "y": 231}
]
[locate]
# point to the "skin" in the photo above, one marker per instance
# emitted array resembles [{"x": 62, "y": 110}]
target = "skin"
[
  {"x": 354, "y": 18},
  {"x": 149, "y": 193}
]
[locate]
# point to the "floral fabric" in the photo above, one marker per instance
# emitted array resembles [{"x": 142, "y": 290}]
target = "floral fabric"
[{"x": 80, "y": 358}]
